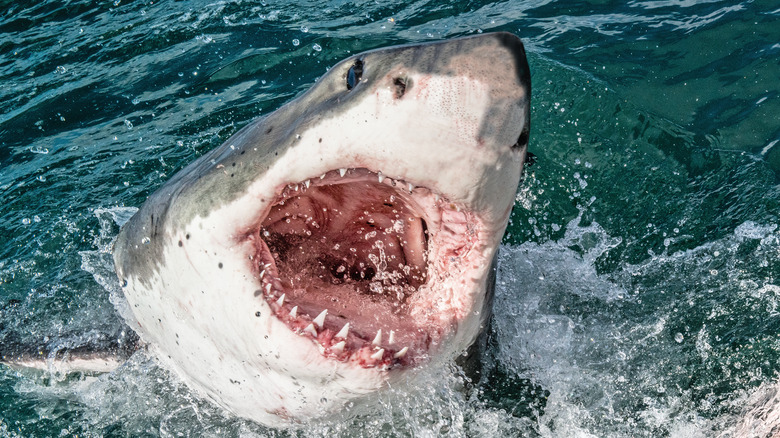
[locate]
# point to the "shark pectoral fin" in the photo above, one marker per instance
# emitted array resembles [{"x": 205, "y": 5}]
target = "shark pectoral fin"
[{"x": 92, "y": 358}]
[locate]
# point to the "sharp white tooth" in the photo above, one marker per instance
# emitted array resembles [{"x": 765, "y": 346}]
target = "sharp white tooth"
[
  {"x": 381, "y": 177},
  {"x": 295, "y": 187},
  {"x": 280, "y": 301},
  {"x": 310, "y": 330},
  {"x": 338, "y": 348},
  {"x": 401, "y": 353},
  {"x": 268, "y": 288},
  {"x": 411, "y": 187},
  {"x": 344, "y": 332},
  {"x": 307, "y": 183},
  {"x": 294, "y": 312},
  {"x": 320, "y": 319},
  {"x": 262, "y": 274},
  {"x": 342, "y": 172},
  {"x": 322, "y": 176},
  {"x": 378, "y": 355},
  {"x": 391, "y": 338},
  {"x": 378, "y": 338}
]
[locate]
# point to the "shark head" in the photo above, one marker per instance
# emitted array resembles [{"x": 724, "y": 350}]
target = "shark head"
[{"x": 343, "y": 241}]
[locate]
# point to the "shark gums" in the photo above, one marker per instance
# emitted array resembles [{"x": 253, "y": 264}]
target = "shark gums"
[{"x": 338, "y": 244}]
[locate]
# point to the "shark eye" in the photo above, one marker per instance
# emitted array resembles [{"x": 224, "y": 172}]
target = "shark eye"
[
  {"x": 400, "y": 85},
  {"x": 522, "y": 141},
  {"x": 354, "y": 74}
]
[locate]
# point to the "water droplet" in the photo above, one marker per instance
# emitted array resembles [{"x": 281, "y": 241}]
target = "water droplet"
[
  {"x": 26, "y": 221},
  {"x": 296, "y": 42},
  {"x": 304, "y": 29},
  {"x": 39, "y": 150},
  {"x": 136, "y": 101},
  {"x": 678, "y": 337},
  {"x": 317, "y": 47},
  {"x": 146, "y": 240},
  {"x": 60, "y": 69},
  {"x": 128, "y": 124}
]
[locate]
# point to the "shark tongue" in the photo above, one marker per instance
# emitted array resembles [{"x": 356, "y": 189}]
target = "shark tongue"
[{"x": 349, "y": 250}]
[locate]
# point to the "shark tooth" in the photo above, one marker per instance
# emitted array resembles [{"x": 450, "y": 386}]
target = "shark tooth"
[
  {"x": 338, "y": 348},
  {"x": 391, "y": 338},
  {"x": 320, "y": 319},
  {"x": 310, "y": 330},
  {"x": 401, "y": 353},
  {"x": 378, "y": 338},
  {"x": 378, "y": 355},
  {"x": 344, "y": 332},
  {"x": 280, "y": 301},
  {"x": 380, "y": 177},
  {"x": 342, "y": 172},
  {"x": 294, "y": 312}
]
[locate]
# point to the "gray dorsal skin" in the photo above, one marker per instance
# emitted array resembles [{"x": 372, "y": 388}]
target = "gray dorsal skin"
[{"x": 335, "y": 246}]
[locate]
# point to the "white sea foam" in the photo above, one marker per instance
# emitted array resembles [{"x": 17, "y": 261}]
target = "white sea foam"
[{"x": 611, "y": 367}]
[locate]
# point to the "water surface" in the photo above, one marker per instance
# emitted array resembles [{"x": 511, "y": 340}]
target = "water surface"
[{"x": 638, "y": 287}]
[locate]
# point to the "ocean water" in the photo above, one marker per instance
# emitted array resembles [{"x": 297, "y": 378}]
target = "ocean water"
[{"x": 638, "y": 291}]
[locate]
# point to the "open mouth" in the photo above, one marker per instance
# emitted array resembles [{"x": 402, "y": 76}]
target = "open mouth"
[{"x": 365, "y": 265}]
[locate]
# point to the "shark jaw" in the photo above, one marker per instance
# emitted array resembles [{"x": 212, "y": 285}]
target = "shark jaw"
[
  {"x": 337, "y": 245},
  {"x": 368, "y": 267}
]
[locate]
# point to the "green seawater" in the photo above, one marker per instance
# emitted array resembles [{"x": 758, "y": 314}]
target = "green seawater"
[{"x": 638, "y": 290}]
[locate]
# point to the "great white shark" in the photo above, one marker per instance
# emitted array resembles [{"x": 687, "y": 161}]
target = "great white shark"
[{"x": 335, "y": 246}]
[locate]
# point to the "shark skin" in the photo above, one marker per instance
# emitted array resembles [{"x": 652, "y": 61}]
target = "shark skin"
[{"x": 336, "y": 246}]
